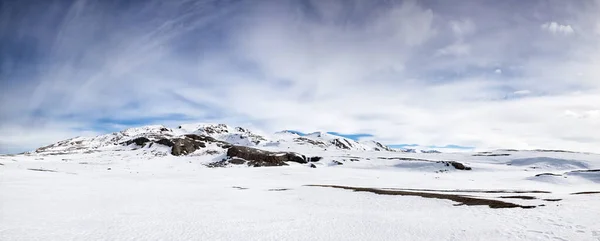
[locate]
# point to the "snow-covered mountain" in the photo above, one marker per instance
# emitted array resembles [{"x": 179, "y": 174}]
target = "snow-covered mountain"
[
  {"x": 134, "y": 138},
  {"x": 107, "y": 141},
  {"x": 325, "y": 141}
]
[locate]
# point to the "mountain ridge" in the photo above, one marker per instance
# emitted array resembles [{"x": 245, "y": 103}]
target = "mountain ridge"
[{"x": 136, "y": 137}]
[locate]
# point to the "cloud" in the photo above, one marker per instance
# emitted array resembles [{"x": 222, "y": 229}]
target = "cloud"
[
  {"x": 404, "y": 72},
  {"x": 462, "y": 28},
  {"x": 556, "y": 28}
]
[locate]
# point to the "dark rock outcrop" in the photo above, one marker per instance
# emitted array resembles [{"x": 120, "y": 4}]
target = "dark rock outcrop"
[
  {"x": 314, "y": 159},
  {"x": 259, "y": 158},
  {"x": 237, "y": 161},
  {"x": 458, "y": 165},
  {"x": 184, "y": 146},
  {"x": 547, "y": 174},
  {"x": 302, "y": 140},
  {"x": 340, "y": 144},
  {"x": 165, "y": 141},
  {"x": 192, "y": 142},
  {"x": 140, "y": 141}
]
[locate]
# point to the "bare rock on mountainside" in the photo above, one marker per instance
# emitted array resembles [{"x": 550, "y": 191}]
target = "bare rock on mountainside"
[
  {"x": 192, "y": 142},
  {"x": 459, "y": 166},
  {"x": 140, "y": 141},
  {"x": 184, "y": 146},
  {"x": 258, "y": 158}
]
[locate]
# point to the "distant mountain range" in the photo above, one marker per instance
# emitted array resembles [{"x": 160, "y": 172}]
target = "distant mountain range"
[{"x": 163, "y": 140}]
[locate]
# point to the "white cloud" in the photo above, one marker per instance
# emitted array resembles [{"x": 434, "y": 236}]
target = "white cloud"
[
  {"x": 462, "y": 28},
  {"x": 456, "y": 49},
  {"x": 556, "y": 28},
  {"x": 398, "y": 71},
  {"x": 522, "y": 92}
]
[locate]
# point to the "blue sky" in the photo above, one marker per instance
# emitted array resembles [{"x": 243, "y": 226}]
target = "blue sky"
[{"x": 484, "y": 74}]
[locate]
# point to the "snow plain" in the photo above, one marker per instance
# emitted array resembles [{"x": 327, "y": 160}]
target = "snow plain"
[{"x": 130, "y": 195}]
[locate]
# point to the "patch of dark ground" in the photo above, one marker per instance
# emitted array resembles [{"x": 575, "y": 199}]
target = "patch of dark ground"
[
  {"x": 519, "y": 197},
  {"x": 547, "y": 150},
  {"x": 468, "y": 190},
  {"x": 582, "y": 193},
  {"x": 406, "y": 159},
  {"x": 41, "y": 170},
  {"x": 239, "y": 188},
  {"x": 222, "y": 163},
  {"x": 491, "y": 154},
  {"x": 462, "y": 200},
  {"x": 1, "y": 164},
  {"x": 552, "y": 199},
  {"x": 548, "y": 174},
  {"x": 278, "y": 189},
  {"x": 589, "y": 170},
  {"x": 455, "y": 164}
]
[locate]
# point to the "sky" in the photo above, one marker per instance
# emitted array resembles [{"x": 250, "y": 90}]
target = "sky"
[{"x": 473, "y": 73}]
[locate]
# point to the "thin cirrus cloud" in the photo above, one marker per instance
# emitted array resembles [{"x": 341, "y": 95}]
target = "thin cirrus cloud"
[{"x": 427, "y": 72}]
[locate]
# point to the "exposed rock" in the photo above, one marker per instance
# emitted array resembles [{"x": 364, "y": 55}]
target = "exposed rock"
[
  {"x": 312, "y": 165},
  {"x": 237, "y": 161},
  {"x": 459, "y": 166},
  {"x": 216, "y": 129},
  {"x": 491, "y": 154},
  {"x": 41, "y": 170},
  {"x": 382, "y": 146},
  {"x": 258, "y": 158},
  {"x": 190, "y": 143},
  {"x": 314, "y": 159},
  {"x": 341, "y": 144},
  {"x": 461, "y": 199},
  {"x": 589, "y": 170},
  {"x": 202, "y": 138},
  {"x": 184, "y": 146},
  {"x": 575, "y": 193},
  {"x": 211, "y": 152},
  {"x": 306, "y": 140},
  {"x": 222, "y": 163},
  {"x": 547, "y": 174},
  {"x": 165, "y": 141},
  {"x": 337, "y": 162},
  {"x": 520, "y": 197},
  {"x": 544, "y": 150},
  {"x": 456, "y": 165},
  {"x": 140, "y": 141}
]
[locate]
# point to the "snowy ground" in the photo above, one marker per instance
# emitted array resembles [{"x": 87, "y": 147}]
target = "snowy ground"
[{"x": 131, "y": 196}]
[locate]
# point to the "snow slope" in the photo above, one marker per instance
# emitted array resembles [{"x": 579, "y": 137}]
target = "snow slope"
[{"x": 92, "y": 189}]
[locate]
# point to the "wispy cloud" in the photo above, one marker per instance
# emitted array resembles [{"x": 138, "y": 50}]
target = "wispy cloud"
[
  {"x": 556, "y": 28},
  {"x": 427, "y": 72}
]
